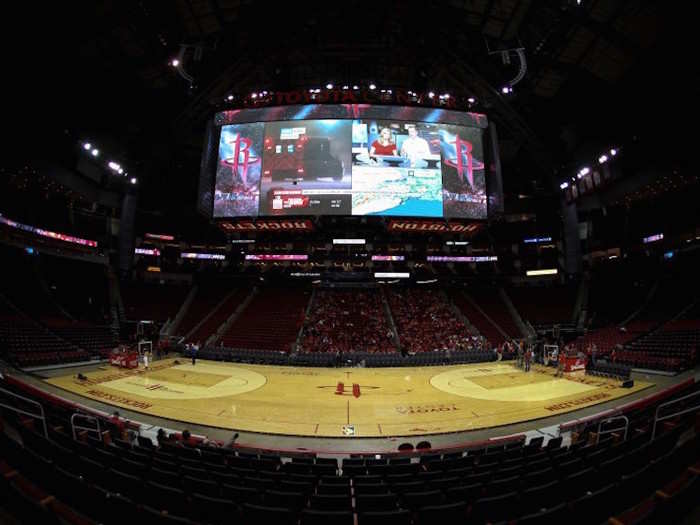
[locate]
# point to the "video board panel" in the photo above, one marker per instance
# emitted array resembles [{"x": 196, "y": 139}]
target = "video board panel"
[{"x": 376, "y": 160}]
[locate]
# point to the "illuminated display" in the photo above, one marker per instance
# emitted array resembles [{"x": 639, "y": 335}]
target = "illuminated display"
[
  {"x": 276, "y": 257},
  {"x": 537, "y": 239},
  {"x": 147, "y": 251},
  {"x": 192, "y": 255},
  {"x": 47, "y": 233},
  {"x": 466, "y": 258},
  {"x": 653, "y": 238},
  {"x": 549, "y": 271},
  {"x": 160, "y": 237},
  {"x": 374, "y": 160},
  {"x": 388, "y": 257}
]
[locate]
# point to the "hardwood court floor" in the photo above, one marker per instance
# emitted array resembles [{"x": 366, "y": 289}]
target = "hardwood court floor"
[{"x": 366, "y": 402}]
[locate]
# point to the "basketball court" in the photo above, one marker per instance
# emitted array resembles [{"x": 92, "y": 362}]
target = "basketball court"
[{"x": 337, "y": 402}]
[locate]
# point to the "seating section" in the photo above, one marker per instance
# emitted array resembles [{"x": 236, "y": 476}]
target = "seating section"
[
  {"x": 207, "y": 297},
  {"x": 113, "y": 480},
  {"x": 476, "y": 318},
  {"x": 26, "y": 343},
  {"x": 270, "y": 322},
  {"x": 618, "y": 290},
  {"x": 544, "y": 305},
  {"x": 425, "y": 321},
  {"x": 347, "y": 320},
  {"x": 490, "y": 301},
  {"x": 217, "y": 318},
  {"x": 673, "y": 347},
  {"x": 608, "y": 338},
  {"x": 152, "y": 301},
  {"x": 95, "y": 339},
  {"x": 86, "y": 298}
]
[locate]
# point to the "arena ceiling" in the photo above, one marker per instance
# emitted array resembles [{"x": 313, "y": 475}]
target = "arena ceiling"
[{"x": 101, "y": 70}]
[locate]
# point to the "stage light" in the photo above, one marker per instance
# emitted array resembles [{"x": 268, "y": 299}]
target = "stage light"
[
  {"x": 264, "y": 93},
  {"x": 471, "y": 100},
  {"x": 388, "y": 91},
  {"x": 87, "y": 146},
  {"x": 431, "y": 94},
  {"x": 175, "y": 62},
  {"x": 373, "y": 86},
  {"x": 95, "y": 152},
  {"x": 317, "y": 90},
  {"x": 603, "y": 159},
  {"x": 613, "y": 152},
  {"x": 311, "y": 90},
  {"x": 230, "y": 97},
  {"x": 355, "y": 87},
  {"x": 564, "y": 185},
  {"x": 506, "y": 89},
  {"x": 446, "y": 96},
  {"x": 254, "y": 95},
  {"x": 329, "y": 86},
  {"x": 345, "y": 87},
  {"x": 133, "y": 180},
  {"x": 121, "y": 171},
  {"x": 583, "y": 172}
]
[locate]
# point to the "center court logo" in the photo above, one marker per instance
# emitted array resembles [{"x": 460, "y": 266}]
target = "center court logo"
[{"x": 341, "y": 389}]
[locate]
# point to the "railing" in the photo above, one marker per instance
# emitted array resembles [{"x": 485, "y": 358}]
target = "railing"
[
  {"x": 41, "y": 416},
  {"x": 75, "y": 427},
  {"x": 658, "y": 419},
  {"x": 612, "y": 430}
]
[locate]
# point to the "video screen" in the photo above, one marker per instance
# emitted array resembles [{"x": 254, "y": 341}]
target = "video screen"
[
  {"x": 237, "y": 189},
  {"x": 396, "y": 169},
  {"x": 307, "y": 168},
  {"x": 463, "y": 173},
  {"x": 367, "y": 164}
]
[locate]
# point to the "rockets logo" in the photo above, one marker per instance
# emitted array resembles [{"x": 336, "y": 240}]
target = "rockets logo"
[
  {"x": 242, "y": 158},
  {"x": 464, "y": 160}
]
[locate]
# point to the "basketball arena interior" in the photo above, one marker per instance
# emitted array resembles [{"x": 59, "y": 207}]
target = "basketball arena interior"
[{"x": 349, "y": 264}]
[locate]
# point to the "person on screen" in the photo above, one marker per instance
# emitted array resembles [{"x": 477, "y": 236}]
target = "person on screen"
[
  {"x": 383, "y": 145},
  {"x": 415, "y": 148}
]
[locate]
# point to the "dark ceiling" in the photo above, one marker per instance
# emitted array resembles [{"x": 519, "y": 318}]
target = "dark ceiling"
[{"x": 598, "y": 73}]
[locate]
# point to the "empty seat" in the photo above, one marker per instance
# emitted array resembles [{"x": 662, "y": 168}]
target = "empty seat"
[{"x": 326, "y": 517}]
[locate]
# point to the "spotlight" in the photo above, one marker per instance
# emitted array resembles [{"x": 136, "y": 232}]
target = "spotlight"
[
  {"x": 311, "y": 90},
  {"x": 95, "y": 152},
  {"x": 120, "y": 171},
  {"x": 613, "y": 152},
  {"x": 230, "y": 97},
  {"x": 345, "y": 87},
  {"x": 175, "y": 62},
  {"x": 603, "y": 159},
  {"x": 329, "y": 86},
  {"x": 564, "y": 185},
  {"x": 471, "y": 100},
  {"x": 254, "y": 95},
  {"x": 506, "y": 89},
  {"x": 87, "y": 146},
  {"x": 446, "y": 96},
  {"x": 431, "y": 95},
  {"x": 373, "y": 86},
  {"x": 133, "y": 180},
  {"x": 355, "y": 87}
]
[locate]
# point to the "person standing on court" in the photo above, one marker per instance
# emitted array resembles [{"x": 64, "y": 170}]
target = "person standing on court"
[
  {"x": 195, "y": 347},
  {"x": 528, "y": 358}
]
